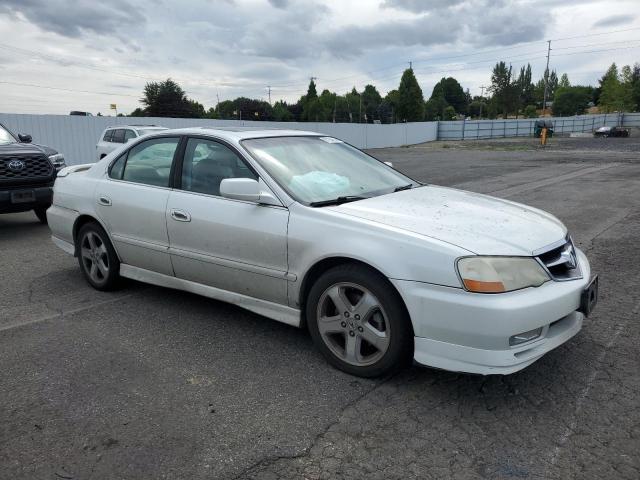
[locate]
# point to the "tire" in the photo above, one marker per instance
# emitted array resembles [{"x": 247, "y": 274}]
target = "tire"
[
  {"x": 373, "y": 336},
  {"x": 41, "y": 213},
  {"x": 97, "y": 258}
]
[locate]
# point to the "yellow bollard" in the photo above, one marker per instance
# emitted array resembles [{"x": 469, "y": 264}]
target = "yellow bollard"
[{"x": 543, "y": 136}]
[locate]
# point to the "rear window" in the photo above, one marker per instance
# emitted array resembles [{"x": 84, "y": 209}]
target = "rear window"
[
  {"x": 118, "y": 136},
  {"x": 107, "y": 136}
]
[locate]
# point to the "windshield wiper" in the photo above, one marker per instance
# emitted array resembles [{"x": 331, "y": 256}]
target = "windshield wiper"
[
  {"x": 337, "y": 201},
  {"x": 403, "y": 187}
]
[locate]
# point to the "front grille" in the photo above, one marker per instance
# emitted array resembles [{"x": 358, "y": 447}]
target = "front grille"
[
  {"x": 36, "y": 167},
  {"x": 561, "y": 262}
]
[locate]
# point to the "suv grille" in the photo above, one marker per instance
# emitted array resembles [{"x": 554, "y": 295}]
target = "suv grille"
[
  {"x": 561, "y": 262},
  {"x": 33, "y": 167}
]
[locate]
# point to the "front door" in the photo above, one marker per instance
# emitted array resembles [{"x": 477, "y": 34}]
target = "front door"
[
  {"x": 229, "y": 244},
  {"x": 132, "y": 199}
]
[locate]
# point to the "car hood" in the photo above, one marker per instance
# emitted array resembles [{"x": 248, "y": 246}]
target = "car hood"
[
  {"x": 478, "y": 223},
  {"x": 25, "y": 149}
]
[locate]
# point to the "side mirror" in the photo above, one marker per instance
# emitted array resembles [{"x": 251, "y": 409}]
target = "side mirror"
[
  {"x": 246, "y": 189},
  {"x": 24, "y": 138},
  {"x": 389, "y": 163}
]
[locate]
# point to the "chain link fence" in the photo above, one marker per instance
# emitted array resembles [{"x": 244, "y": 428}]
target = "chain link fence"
[{"x": 482, "y": 129}]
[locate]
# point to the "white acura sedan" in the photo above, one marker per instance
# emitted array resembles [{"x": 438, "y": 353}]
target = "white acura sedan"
[{"x": 305, "y": 229}]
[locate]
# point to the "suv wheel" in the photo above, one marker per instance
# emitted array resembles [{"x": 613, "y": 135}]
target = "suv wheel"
[
  {"x": 98, "y": 260},
  {"x": 359, "y": 322},
  {"x": 41, "y": 213}
]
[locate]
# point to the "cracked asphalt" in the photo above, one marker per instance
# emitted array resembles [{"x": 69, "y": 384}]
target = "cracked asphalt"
[{"x": 150, "y": 383}]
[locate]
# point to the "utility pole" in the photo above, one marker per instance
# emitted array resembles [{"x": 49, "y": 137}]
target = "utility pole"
[
  {"x": 269, "y": 89},
  {"x": 410, "y": 65},
  {"x": 482, "y": 87},
  {"x": 546, "y": 80}
]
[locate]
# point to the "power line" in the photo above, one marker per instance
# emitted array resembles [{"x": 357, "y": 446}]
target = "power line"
[{"x": 68, "y": 89}]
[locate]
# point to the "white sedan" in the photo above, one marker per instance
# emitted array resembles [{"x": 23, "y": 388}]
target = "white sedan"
[{"x": 307, "y": 230}]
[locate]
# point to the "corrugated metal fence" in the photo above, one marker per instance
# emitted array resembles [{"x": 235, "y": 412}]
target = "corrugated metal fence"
[
  {"x": 477, "y": 129},
  {"x": 76, "y": 136}
]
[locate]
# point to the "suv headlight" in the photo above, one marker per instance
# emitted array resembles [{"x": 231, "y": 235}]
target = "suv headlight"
[
  {"x": 57, "y": 160},
  {"x": 500, "y": 274}
]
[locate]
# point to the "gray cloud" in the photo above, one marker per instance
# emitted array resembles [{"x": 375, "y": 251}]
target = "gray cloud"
[
  {"x": 614, "y": 21},
  {"x": 422, "y": 31},
  {"x": 279, "y": 3},
  {"x": 79, "y": 18},
  {"x": 419, "y": 6}
]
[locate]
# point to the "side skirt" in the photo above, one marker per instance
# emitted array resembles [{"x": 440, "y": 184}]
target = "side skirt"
[{"x": 275, "y": 311}]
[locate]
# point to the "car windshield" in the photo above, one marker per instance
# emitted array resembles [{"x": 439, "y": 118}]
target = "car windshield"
[
  {"x": 6, "y": 136},
  {"x": 320, "y": 169}
]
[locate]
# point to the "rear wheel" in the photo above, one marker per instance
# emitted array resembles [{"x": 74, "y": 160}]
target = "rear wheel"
[
  {"x": 41, "y": 213},
  {"x": 98, "y": 260},
  {"x": 358, "y": 321}
]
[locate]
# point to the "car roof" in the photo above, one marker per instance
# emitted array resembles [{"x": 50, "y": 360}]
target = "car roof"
[
  {"x": 242, "y": 133},
  {"x": 138, "y": 126}
]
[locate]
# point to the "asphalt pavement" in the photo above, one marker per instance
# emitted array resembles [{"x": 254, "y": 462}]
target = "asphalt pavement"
[{"x": 151, "y": 383}]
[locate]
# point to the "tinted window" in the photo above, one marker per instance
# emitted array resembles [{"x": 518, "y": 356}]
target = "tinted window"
[
  {"x": 118, "y": 166},
  {"x": 128, "y": 135},
  {"x": 107, "y": 135},
  {"x": 118, "y": 136},
  {"x": 207, "y": 163},
  {"x": 150, "y": 162}
]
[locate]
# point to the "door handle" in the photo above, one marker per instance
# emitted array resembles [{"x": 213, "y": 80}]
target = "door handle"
[
  {"x": 180, "y": 216},
  {"x": 106, "y": 201}
]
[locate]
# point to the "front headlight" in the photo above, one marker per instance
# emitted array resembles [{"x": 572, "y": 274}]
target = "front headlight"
[
  {"x": 57, "y": 160},
  {"x": 500, "y": 274}
]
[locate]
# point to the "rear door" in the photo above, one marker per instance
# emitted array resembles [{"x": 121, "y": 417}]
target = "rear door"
[
  {"x": 132, "y": 202},
  {"x": 233, "y": 245}
]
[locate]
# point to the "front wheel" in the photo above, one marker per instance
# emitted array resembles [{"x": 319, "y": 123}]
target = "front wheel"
[
  {"x": 359, "y": 322},
  {"x": 97, "y": 257},
  {"x": 41, "y": 213}
]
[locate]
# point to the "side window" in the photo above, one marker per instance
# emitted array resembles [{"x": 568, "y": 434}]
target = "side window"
[
  {"x": 128, "y": 135},
  {"x": 118, "y": 136},
  {"x": 117, "y": 167},
  {"x": 150, "y": 162},
  {"x": 206, "y": 163},
  {"x": 107, "y": 136}
]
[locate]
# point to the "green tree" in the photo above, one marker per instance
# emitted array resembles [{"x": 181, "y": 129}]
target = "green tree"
[
  {"x": 410, "y": 99},
  {"x": 564, "y": 81},
  {"x": 616, "y": 95},
  {"x": 310, "y": 105},
  {"x": 451, "y": 91},
  {"x": 167, "y": 99},
  {"x": 503, "y": 88},
  {"x": 571, "y": 100},
  {"x": 530, "y": 111},
  {"x": 449, "y": 113},
  {"x": 371, "y": 101},
  {"x": 524, "y": 87},
  {"x": 281, "y": 112},
  {"x": 434, "y": 108},
  {"x": 388, "y": 109}
]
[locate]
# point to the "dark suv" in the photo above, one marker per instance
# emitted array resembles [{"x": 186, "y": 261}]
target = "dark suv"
[{"x": 27, "y": 173}]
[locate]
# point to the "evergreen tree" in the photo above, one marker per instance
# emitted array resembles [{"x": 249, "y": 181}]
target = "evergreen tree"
[{"x": 410, "y": 99}]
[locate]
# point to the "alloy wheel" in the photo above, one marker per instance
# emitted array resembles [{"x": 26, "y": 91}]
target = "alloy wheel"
[
  {"x": 95, "y": 257},
  {"x": 353, "y": 324}
]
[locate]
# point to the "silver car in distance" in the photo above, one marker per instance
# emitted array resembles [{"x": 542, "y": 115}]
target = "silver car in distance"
[{"x": 307, "y": 230}]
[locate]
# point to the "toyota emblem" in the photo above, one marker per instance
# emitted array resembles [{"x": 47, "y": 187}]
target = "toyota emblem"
[{"x": 16, "y": 165}]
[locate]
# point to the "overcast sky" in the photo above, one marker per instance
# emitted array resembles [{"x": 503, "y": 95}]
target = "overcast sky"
[{"x": 97, "y": 53}]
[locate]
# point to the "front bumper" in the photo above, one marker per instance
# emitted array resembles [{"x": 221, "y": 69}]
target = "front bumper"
[
  {"x": 469, "y": 332},
  {"x": 43, "y": 197}
]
